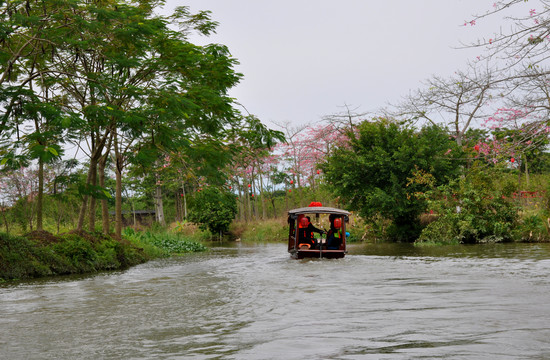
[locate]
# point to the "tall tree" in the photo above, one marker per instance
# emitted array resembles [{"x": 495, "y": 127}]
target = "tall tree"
[
  {"x": 373, "y": 174},
  {"x": 457, "y": 103},
  {"x": 141, "y": 84},
  {"x": 32, "y": 119}
]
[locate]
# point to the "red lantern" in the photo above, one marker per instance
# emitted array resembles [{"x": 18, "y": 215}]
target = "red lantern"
[
  {"x": 318, "y": 172},
  {"x": 476, "y": 148},
  {"x": 252, "y": 195},
  {"x": 230, "y": 188},
  {"x": 291, "y": 181},
  {"x": 249, "y": 185},
  {"x": 289, "y": 190},
  {"x": 512, "y": 159}
]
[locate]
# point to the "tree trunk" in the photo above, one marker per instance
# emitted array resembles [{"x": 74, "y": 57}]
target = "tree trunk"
[
  {"x": 105, "y": 224},
  {"x": 119, "y": 166},
  {"x": 184, "y": 199},
  {"x": 93, "y": 202},
  {"x": 262, "y": 196},
  {"x": 39, "y": 208},
  {"x": 82, "y": 213},
  {"x": 526, "y": 171},
  {"x": 98, "y": 144},
  {"x": 159, "y": 207},
  {"x": 241, "y": 201},
  {"x": 118, "y": 197},
  {"x": 248, "y": 204}
]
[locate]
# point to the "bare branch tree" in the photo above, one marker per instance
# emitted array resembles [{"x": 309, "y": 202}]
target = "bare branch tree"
[
  {"x": 345, "y": 120},
  {"x": 456, "y": 103},
  {"x": 526, "y": 39}
]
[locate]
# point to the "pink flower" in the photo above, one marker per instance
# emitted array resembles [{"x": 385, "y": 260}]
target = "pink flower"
[{"x": 532, "y": 12}]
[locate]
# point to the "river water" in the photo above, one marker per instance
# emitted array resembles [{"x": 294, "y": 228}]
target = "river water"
[{"x": 254, "y": 302}]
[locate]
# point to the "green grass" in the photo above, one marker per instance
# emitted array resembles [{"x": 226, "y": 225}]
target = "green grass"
[
  {"x": 24, "y": 257},
  {"x": 162, "y": 244},
  {"x": 261, "y": 231}
]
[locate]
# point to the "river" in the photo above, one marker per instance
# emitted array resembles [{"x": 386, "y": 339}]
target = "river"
[{"x": 253, "y": 302}]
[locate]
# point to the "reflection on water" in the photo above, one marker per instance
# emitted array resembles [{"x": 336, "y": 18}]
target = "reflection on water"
[{"x": 382, "y": 301}]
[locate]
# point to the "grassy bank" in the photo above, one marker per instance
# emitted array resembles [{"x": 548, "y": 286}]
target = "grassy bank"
[
  {"x": 40, "y": 254},
  {"x": 260, "y": 230}
]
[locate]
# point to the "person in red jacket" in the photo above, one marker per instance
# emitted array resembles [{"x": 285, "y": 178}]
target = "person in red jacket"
[
  {"x": 334, "y": 235},
  {"x": 305, "y": 232}
]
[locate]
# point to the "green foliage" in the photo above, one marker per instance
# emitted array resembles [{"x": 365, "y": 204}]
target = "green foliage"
[
  {"x": 42, "y": 254},
  {"x": 373, "y": 175},
  {"x": 163, "y": 244},
  {"x": 532, "y": 228},
  {"x": 476, "y": 208},
  {"x": 261, "y": 231},
  {"x": 213, "y": 210},
  {"x": 175, "y": 245}
]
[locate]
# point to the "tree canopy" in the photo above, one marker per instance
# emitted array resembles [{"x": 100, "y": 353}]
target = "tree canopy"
[
  {"x": 375, "y": 173},
  {"x": 115, "y": 79}
]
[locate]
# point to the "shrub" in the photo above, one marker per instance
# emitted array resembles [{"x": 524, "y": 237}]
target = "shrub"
[
  {"x": 214, "y": 210},
  {"x": 472, "y": 209},
  {"x": 531, "y": 228},
  {"x": 265, "y": 230},
  {"x": 33, "y": 256},
  {"x": 163, "y": 244}
]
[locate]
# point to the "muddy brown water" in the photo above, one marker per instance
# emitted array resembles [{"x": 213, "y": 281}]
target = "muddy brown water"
[{"x": 254, "y": 302}]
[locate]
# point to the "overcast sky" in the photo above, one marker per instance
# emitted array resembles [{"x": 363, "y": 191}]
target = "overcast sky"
[{"x": 302, "y": 59}]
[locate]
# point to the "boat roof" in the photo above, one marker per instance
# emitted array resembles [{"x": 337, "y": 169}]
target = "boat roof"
[{"x": 318, "y": 210}]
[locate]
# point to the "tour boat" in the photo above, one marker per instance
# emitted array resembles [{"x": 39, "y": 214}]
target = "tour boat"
[{"x": 304, "y": 241}]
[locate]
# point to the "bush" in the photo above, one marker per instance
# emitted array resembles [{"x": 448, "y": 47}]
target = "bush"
[
  {"x": 531, "y": 228},
  {"x": 472, "y": 209},
  {"x": 163, "y": 244},
  {"x": 42, "y": 254},
  {"x": 260, "y": 231},
  {"x": 214, "y": 210}
]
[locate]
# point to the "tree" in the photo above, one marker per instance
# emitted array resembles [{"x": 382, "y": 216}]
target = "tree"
[
  {"x": 214, "y": 210},
  {"x": 32, "y": 117},
  {"x": 477, "y": 207},
  {"x": 119, "y": 81},
  {"x": 456, "y": 103},
  {"x": 374, "y": 174},
  {"x": 140, "y": 86},
  {"x": 525, "y": 41},
  {"x": 523, "y": 48}
]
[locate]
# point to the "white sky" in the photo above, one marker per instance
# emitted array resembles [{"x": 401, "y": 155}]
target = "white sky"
[{"x": 303, "y": 59}]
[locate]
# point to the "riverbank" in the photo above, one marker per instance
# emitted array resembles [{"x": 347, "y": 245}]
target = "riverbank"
[{"x": 40, "y": 253}]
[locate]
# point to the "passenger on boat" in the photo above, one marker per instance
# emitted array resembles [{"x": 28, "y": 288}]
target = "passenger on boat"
[
  {"x": 334, "y": 235},
  {"x": 305, "y": 233}
]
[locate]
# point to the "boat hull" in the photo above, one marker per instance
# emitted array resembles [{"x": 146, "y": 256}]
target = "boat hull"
[{"x": 327, "y": 254}]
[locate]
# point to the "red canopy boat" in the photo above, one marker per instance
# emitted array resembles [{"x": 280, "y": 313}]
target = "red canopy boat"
[{"x": 302, "y": 240}]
